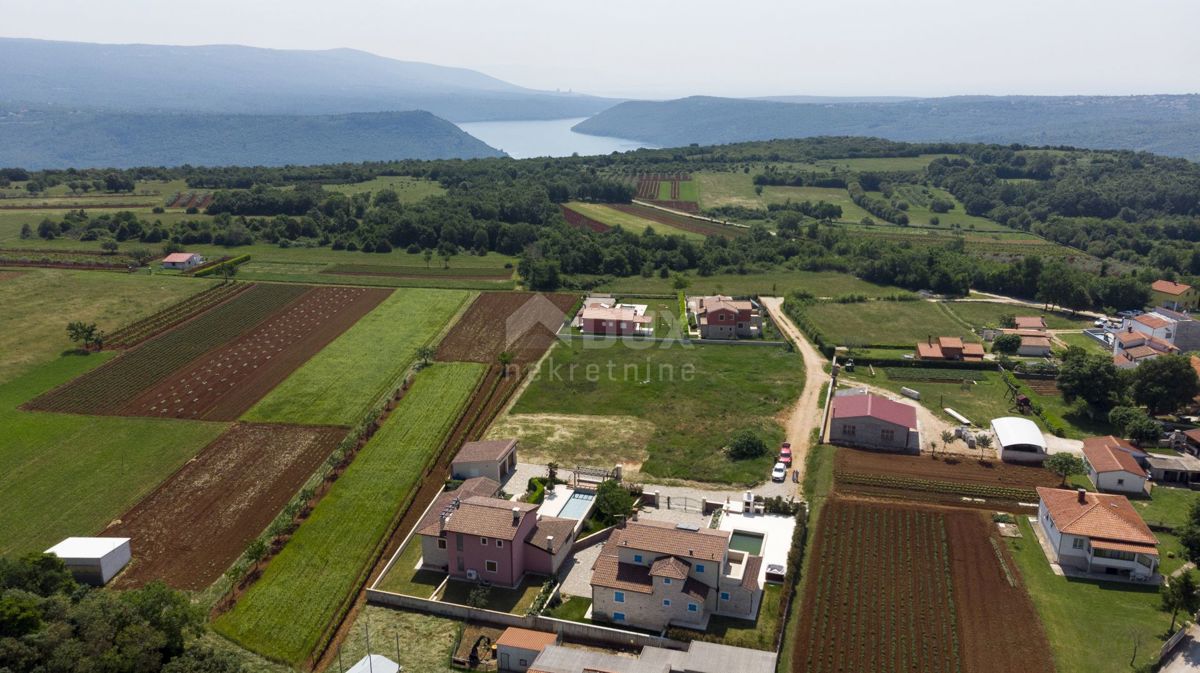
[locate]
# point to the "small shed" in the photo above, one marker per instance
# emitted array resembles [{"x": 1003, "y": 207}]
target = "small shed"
[
  {"x": 495, "y": 459},
  {"x": 374, "y": 663},
  {"x": 1019, "y": 440},
  {"x": 93, "y": 560},
  {"x": 182, "y": 260},
  {"x": 516, "y": 648}
]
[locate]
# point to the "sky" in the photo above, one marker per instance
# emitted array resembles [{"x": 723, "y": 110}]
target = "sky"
[{"x": 668, "y": 49}]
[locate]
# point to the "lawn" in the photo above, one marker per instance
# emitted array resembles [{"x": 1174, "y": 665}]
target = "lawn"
[
  {"x": 695, "y": 397},
  {"x": 288, "y": 613},
  {"x": 631, "y": 223},
  {"x": 403, "y": 577},
  {"x": 759, "y": 634},
  {"x": 63, "y": 474},
  {"x": 851, "y": 212},
  {"x": 987, "y": 314},
  {"x": 573, "y": 609},
  {"x": 1168, "y": 505},
  {"x": 515, "y": 601},
  {"x": 774, "y": 283},
  {"x": 1121, "y": 614},
  {"x": 1083, "y": 341},
  {"x": 337, "y": 385},
  {"x": 886, "y": 323},
  {"x": 38, "y": 304}
]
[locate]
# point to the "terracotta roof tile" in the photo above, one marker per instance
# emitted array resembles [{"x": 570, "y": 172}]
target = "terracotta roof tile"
[
  {"x": 1151, "y": 321},
  {"x": 526, "y": 639},
  {"x": 551, "y": 527},
  {"x": 1100, "y": 515},
  {"x": 664, "y": 538},
  {"x": 875, "y": 406},
  {"x": 929, "y": 351},
  {"x": 670, "y": 566},
  {"x": 1110, "y": 454},
  {"x": 972, "y": 350},
  {"x": 1035, "y": 341},
  {"x": 950, "y": 342},
  {"x": 488, "y": 517},
  {"x": 1169, "y": 287},
  {"x": 1030, "y": 322},
  {"x": 430, "y": 523},
  {"x": 695, "y": 589},
  {"x": 494, "y": 449},
  {"x": 609, "y": 572},
  {"x": 750, "y": 574}
]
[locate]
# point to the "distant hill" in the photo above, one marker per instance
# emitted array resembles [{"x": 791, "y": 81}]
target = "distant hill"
[
  {"x": 1166, "y": 124},
  {"x": 62, "y": 139},
  {"x": 238, "y": 79}
]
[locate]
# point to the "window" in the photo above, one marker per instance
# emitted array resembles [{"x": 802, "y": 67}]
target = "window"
[
  {"x": 458, "y": 538},
  {"x": 1077, "y": 543},
  {"x": 699, "y": 567},
  {"x": 441, "y": 543},
  {"x": 666, "y": 580},
  {"x": 499, "y": 544},
  {"x": 666, "y": 602},
  {"x": 724, "y": 595},
  {"x": 490, "y": 566},
  {"x": 618, "y": 616},
  {"x": 847, "y": 430},
  {"x": 1120, "y": 482},
  {"x": 637, "y": 558},
  {"x": 618, "y": 596},
  {"x": 483, "y": 541},
  {"x": 887, "y": 435},
  {"x": 524, "y": 662},
  {"x": 692, "y": 607}
]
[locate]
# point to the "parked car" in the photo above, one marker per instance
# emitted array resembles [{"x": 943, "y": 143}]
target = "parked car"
[
  {"x": 1100, "y": 322},
  {"x": 1131, "y": 313},
  {"x": 779, "y": 472},
  {"x": 785, "y": 454}
]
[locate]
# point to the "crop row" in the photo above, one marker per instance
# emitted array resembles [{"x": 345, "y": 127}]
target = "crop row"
[
  {"x": 108, "y": 388},
  {"x": 934, "y": 486},
  {"x": 137, "y": 332}
]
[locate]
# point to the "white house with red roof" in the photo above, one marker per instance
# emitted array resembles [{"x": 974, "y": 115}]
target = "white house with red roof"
[
  {"x": 869, "y": 421},
  {"x": 1142, "y": 338},
  {"x": 1175, "y": 296},
  {"x": 1097, "y": 533},
  {"x": 1112, "y": 465},
  {"x": 182, "y": 260}
]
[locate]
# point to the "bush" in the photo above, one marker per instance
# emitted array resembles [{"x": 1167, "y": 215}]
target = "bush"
[
  {"x": 1007, "y": 343},
  {"x": 745, "y": 445},
  {"x": 613, "y": 502}
]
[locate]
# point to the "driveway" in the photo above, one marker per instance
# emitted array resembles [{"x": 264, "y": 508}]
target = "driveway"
[{"x": 1186, "y": 657}]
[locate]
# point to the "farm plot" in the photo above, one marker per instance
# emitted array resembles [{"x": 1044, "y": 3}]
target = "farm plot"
[
  {"x": 107, "y": 389},
  {"x": 239, "y": 482},
  {"x": 133, "y": 334},
  {"x": 290, "y": 612},
  {"x": 224, "y": 383},
  {"x": 484, "y": 273},
  {"x": 521, "y": 323},
  {"x": 885, "y": 323},
  {"x": 580, "y": 221},
  {"x": 681, "y": 222},
  {"x": 947, "y": 469}
]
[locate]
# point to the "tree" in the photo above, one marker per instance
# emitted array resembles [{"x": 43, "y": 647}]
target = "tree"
[
  {"x": 984, "y": 442},
  {"x": 1091, "y": 377},
  {"x": 746, "y": 444},
  {"x": 1180, "y": 594},
  {"x": 613, "y": 502},
  {"x": 479, "y": 596},
  {"x": 1065, "y": 465},
  {"x": 109, "y": 246},
  {"x": 1165, "y": 383},
  {"x": 85, "y": 334},
  {"x": 680, "y": 282},
  {"x": 425, "y": 354},
  {"x": 505, "y": 359},
  {"x": 26, "y": 231},
  {"x": 1007, "y": 343},
  {"x": 1143, "y": 430}
]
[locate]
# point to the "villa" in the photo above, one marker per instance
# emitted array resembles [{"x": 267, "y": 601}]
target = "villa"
[{"x": 1097, "y": 533}]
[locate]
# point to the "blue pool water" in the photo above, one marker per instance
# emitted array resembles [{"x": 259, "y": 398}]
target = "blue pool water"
[{"x": 577, "y": 505}]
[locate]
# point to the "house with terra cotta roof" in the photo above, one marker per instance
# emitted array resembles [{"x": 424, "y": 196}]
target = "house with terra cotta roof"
[
  {"x": 1113, "y": 465},
  {"x": 603, "y": 316},
  {"x": 653, "y": 574},
  {"x": 1175, "y": 296},
  {"x": 1096, "y": 533},
  {"x": 182, "y": 261},
  {"x": 723, "y": 317},
  {"x": 949, "y": 348},
  {"x": 475, "y": 536},
  {"x": 494, "y": 459},
  {"x": 1133, "y": 346},
  {"x": 865, "y": 420}
]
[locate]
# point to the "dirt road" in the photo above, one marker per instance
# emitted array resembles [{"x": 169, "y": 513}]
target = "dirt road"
[{"x": 806, "y": 416}]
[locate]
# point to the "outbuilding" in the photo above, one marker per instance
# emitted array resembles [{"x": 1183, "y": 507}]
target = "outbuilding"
[
  {"x": 516, "y": 648},
  {"x": 494, "y": 459},
  {"x": 1019, "y": 440},
  {"x": 93, "y": 560},
  {"x": 1034, "y": 346},
  {"x": 870, "y": 421},
  {"x": 182, "y": 260},
  {"x": 1112, "y": 465}
]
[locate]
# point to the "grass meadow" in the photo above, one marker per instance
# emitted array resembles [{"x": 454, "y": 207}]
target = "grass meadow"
[
  {"x": 772, "y": 283},
  {"x": 63, "y": 474},
  {"x": 38, "y": 304},
  {"x": 408, "y": 189},
  {"x": 289, "y": 611},
  {"x": 988, "y": 313},
  {"x": 632, "y": 223},
  {"x": 892, "y": 323},
  {"x": 337, "y": 385},
  {"x": 730, "y": 388}
]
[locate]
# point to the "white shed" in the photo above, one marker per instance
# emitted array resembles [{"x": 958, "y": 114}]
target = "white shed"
[
  {"x": 93, "y": 560},
  {"x": 374, "y": 663},
  {"x": 1019, "y": 440}
]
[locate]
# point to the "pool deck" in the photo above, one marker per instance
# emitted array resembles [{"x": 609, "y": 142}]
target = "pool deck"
[
  {"x": 776, "y": 530},
  {"x": 556, "y": 501}
]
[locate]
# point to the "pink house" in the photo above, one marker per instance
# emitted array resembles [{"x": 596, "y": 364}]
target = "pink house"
[{"x": 615, "y": 320}]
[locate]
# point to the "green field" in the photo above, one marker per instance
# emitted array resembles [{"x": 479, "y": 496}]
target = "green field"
[
  {"x": 409, "y": 189},
  {"x": 919, "y": 197},
  {"x": 337, "y": 385},
  {"x": 987, "y": 314},
  {"x": 38, "y": 304},
  {"x": 631, "y": 223},
  {"x": 892, "y": 323},
  {"x": 774, "y": 283},
  {"x": 63, "y": 474},
  {"x": 1083, "y": 341},
  {"x": 726, "y": 189},
  {"x": 1096, "y": 645},
  {"x": 288, "y": 612},
  {"x": 851, "y": 212},
  {"x": 730, "y": 388}
]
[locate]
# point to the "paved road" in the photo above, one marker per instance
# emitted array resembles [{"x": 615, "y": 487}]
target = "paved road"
[
  {"x": 1186, "y": 658},
  {"x": 807, "y": 415}
]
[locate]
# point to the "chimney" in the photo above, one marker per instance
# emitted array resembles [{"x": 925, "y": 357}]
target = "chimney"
[
  {"x": 550, "y": 542},
  {"x": 516, "y": 514},
  {"x": 929, "y": 339},
  {"x": 1082, "y": 492}
]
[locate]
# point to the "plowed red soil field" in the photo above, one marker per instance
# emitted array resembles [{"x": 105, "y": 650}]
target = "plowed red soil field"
[
  {"x": 581, "y": 221},
  {"x": 910, "y": 589},
  {"x": 196, "y": 524},
  {"x": 223, "y": 383},
  {"x": 955, "y": 468},
  {"x": 522, "y": 323},
  {"x": 693, "y": 225}
]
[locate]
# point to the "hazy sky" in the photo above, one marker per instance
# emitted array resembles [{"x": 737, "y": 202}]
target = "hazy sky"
[{"x": 660, "y": 49}]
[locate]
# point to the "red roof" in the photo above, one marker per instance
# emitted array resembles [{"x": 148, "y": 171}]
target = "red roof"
[
  {"x": 177, "y": 257},
  {"x": 950, "y": 342},
  {"x": 1097, "y": 515},
  {"x": 875, "y": 406},
  {"x": 973, "y": 349},
  {"x": 1151, "y": 321},
  {"x": 1110, "y": 454},
  {"x": 1169, "y": 287},
  {"x": 928, "y": 351},
  {"x": 1030, "y": 322}
]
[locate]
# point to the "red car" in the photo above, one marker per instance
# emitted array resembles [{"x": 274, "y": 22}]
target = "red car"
[{"x": 785, "y": 454}]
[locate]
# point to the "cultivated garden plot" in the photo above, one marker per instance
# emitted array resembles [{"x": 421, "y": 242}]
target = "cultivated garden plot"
[
  {"x": 226, "y": 382},
  {"x": 239, "y": 482},
  {"x": 520, "y": 323}
]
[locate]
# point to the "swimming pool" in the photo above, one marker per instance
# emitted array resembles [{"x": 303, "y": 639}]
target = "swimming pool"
[
  {"x": 751, "y": 543},
  {"x": 578, "y": 505}
]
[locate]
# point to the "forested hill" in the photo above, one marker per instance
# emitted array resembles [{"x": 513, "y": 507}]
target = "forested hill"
[
  {"x": 58, "y": 139},
  {"x": 1167, "y": 125},
  {"x": 249, "y": 80}
]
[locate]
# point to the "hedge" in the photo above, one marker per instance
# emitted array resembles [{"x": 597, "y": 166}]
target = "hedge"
[{"x": 229, "y": 263}]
